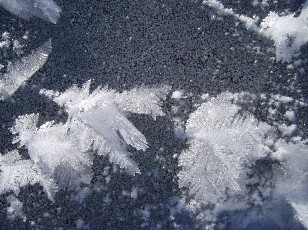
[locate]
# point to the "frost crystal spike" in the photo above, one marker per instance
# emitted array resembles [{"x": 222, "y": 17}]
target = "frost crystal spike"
[
  {"x": 22, "y": 70},
  {"x": 102, "y": 114}
]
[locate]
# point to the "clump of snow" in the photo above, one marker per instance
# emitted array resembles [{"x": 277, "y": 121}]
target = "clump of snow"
[
  {"x": 177, "y": 94},
  {"x": 45, "y": 9},
  {"x": 134, "y": 193},
  {"x": 288, "y": 32},
  {"x": 5, "y": 40},
  {"x": 83, "y": 194},
  {"x": 15, "y": 210},
  {"x": 22, "y": 70},
  {"x": 291, "y": 116},
  {"x": 179, "y": 132},
  {"x": 287, "y": 130}
]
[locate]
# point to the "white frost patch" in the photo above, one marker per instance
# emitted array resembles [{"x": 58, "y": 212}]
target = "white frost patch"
[
  {"x": 292, "y": 176},
  {"x": 287, "y": 130},
  {"x": 290, "y": 115},
  {"x": 20, "y": 71},
  {"x": 222, "y": 144},
  {"x": 288, "y": 32},
  {"x": 63, "y": 153},
  {"x": 102, "y": 116},
  {"x": 83, "y": 194},
  {"x": 134, "y": 193},
  {"x": 16, "y": 173},
  {"x": 301, "y": 209},
  {"x": 15, "y": 209},
  {"x": 45, "y": 9},
  {"x": 178, "y": 94},
  {"x": 179, "y": 132}
]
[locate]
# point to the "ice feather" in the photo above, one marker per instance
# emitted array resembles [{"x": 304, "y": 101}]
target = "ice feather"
[
  {"x": 222, "y": 144},
  {"x": 22, "y": 70},
  {"x": 17, "y": 173}
]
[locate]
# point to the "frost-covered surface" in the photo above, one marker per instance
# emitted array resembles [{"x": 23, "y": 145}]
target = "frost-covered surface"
[
  {"x": 94, "y": 139},
  {"x": 44, "y": 9}
]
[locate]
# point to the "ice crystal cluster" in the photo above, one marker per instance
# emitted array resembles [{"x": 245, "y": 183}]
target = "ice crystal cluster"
[
  {"x": 61, "y": 155},
  {"x": 236, "y": 160},
  {"x": 22, "y": 70},
  {"x": 289, "y": 32},
  {"x": 225, "y": 142}
]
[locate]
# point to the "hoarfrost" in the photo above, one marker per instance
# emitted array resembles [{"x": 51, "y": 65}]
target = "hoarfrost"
[
  {"x": 45, "y": 9},
  {"x": 63, "y": 153},
  {"x": 102, "y": 114},
  {"x": 17, "y": 173},
  {"x": 288, "y": 32},
  {"x": 15, "y": 209},
  {"x": 225, "y": 143},
  {"x": 22, "y": 70},
  {"x": 222, "y": 144}
]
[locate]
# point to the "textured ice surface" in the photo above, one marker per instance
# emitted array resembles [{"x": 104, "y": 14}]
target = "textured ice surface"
[
  {"x": 44, "y": 9},
  {"x": 125, "y": 44},
  {"x": 15, "y": 210}
]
